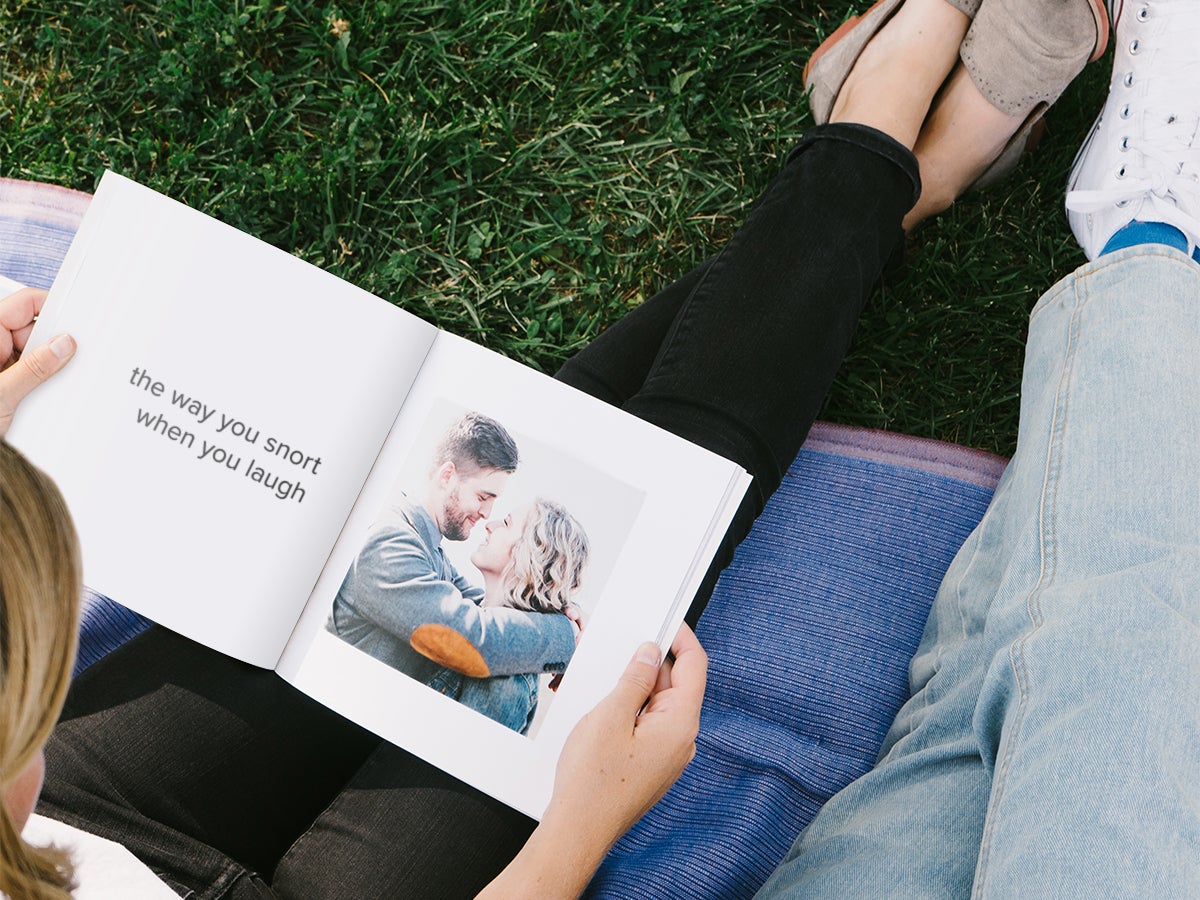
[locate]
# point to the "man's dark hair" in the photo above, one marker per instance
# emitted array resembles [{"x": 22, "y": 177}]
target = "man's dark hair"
[{"x": 477, "y": 442}]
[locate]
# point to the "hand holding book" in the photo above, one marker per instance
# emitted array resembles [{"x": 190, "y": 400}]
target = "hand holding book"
[
  {"x": 23, "y": 371},
  {"x": 609, "y": 774}
]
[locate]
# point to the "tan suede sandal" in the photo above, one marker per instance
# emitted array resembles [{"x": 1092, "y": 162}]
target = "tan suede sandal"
[
  {"x": 830, "y": 65},
  {"x": 1057, "y": 77},
  {"x": 827, "y": 69}
]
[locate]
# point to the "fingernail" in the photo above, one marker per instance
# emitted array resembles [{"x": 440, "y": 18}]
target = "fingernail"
[
  {"x": 649, "y": 654},
  {"x": 62, "y": 346}
]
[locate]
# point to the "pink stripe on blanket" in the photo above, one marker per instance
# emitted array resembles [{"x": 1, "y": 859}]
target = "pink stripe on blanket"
[
  {"x": 927, "y": 455},
  {"x": 39, "y": 202}
]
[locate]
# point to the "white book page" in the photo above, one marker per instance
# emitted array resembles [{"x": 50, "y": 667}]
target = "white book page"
[
  {"x": 648, "y": 501},
  {"x": 224, "y": 408},
  {"x": 102, "y": 868}
]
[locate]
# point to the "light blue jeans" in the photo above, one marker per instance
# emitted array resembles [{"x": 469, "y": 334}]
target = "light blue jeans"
[{"x": 1052, "y": 744}]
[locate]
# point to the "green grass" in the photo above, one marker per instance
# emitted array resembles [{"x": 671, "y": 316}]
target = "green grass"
[{"x": 522, "y": 173}]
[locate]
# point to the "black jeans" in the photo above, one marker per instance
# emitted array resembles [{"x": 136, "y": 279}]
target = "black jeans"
[
  {"x": 739, "y": 354},
  {"x": 225, "y": 779}
]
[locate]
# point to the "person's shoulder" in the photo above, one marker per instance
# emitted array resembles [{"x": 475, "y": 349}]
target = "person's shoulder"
[{"x": 403, "y": 528}]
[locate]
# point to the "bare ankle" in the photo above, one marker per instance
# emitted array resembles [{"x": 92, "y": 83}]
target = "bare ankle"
[
  {"x": 895, "y": 79},
  {"x": 959, "y": 140},
  {"x": 931, "y": 202}
]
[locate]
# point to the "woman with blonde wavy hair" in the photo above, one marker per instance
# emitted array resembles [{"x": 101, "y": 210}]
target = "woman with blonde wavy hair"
[
  {"x": 545, "y": 562},
  {"x": 39, "y": 612},
  {"x": 532, "y": 560}
]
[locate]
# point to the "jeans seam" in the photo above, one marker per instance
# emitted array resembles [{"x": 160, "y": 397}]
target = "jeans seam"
[
  {"x": 926, "y": 694},
  {"x": 665, "y": 365},
  {"x": 370, "y": 763},
  {"x": 1047, "y": 544},
  {"x": 307, "y": 831},
  {"x": 976, "y": 550}
]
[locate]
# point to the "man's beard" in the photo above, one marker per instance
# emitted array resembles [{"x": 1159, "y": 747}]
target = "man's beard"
[{"x": 456, "y": 525}]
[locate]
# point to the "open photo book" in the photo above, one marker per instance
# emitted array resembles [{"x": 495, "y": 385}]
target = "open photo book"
[{"x": 270, "y": 461}]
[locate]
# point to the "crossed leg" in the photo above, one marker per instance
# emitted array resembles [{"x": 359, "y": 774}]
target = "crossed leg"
[{"x": 1049, "y": 746}]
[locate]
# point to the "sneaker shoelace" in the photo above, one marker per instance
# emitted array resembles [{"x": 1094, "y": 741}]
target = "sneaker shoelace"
[{"x": 1158, "y": 177}]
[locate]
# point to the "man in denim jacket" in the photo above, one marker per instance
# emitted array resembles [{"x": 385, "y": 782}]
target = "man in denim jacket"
[{"x": 402, "y": 600}]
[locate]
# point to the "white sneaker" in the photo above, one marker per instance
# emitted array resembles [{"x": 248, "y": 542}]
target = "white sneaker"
[{"x": 1141, "y": 160}]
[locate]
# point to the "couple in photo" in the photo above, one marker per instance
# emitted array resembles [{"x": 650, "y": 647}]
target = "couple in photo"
[{"x": 404, "y": 603}]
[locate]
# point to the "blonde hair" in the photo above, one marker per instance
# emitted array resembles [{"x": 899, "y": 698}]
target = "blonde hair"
[
  {"x": 39, "y": 613},
  {"x": 547, "y": 561}
]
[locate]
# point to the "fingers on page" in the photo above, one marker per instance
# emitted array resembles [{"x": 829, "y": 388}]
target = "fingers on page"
[{"x": 34, "y": 367}]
